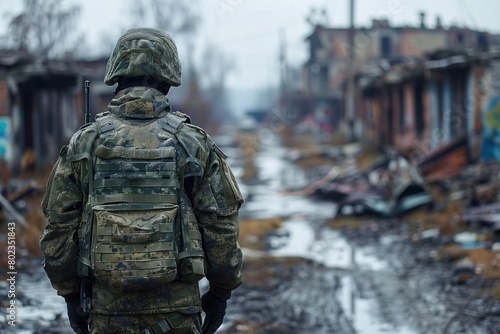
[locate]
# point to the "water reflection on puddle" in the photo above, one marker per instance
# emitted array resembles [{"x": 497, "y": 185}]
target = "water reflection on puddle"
[
  {"x": 38, "y": 305},
  {"x": 328, "y": 248}
]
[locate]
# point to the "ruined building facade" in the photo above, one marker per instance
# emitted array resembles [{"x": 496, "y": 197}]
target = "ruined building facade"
[{"x": 416, "y": 87}]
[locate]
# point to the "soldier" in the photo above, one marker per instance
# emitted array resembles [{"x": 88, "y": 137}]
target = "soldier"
[{"x": 140, "y": 206}]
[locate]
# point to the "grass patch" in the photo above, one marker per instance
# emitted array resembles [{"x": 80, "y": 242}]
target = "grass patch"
[
  {"x": 348, "y": 222},
  {"x": 253, "y": 232}
]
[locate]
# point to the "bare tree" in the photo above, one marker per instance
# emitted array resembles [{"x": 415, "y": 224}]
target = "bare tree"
[{"x": 44, "y": 28}]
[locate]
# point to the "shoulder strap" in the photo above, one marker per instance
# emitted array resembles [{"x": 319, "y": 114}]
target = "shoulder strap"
[
  {"x": 106, "y": 123},
  {"x": 172, "y": 121}
]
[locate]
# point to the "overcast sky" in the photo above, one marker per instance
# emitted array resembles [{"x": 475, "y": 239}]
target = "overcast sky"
[{"x": 249, "y": 31}]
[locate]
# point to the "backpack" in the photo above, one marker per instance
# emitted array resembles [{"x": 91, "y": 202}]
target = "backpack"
[{"x": 138, "y": 228}]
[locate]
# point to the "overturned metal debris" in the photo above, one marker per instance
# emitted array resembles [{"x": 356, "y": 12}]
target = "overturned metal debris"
[{"x": 390, "y": 187}]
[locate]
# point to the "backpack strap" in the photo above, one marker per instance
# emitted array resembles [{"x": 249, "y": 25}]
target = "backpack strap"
[
  {"x": 106, "y": 124},
  {"x": 189, "y": 257},
  {"x": 172, "y": 121}
]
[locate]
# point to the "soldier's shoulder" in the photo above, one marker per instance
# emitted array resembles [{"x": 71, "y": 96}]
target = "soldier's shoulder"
[
  {"x": 185, "y": 117},
  {"x": 190, "y": 132},
  {"x": 195, "y": 139},
  {"x": 83, "y": 137},
  {"x": 195, "y": 130},
  {"x": 88, "y": 129}
]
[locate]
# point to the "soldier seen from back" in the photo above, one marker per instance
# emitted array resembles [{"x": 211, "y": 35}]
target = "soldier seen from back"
[{"x": 141, "y": 205}]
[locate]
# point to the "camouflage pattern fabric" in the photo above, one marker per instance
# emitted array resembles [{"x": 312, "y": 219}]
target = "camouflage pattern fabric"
[
  {"x": 139, "y": 103},
  {"x": 105, "y": 324},
  {"x": 144, "y": 53},
  {"x": 213, "y": 190}
]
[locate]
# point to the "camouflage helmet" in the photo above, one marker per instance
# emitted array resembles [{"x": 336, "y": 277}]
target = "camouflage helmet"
[{"x": 144, "y": 52}]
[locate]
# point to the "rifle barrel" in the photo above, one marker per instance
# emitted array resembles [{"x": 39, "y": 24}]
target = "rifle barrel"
[{"x": 87, "y": 107}]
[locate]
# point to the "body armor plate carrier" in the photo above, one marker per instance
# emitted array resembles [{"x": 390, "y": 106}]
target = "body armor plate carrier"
[{"x": 138, "y": 228}]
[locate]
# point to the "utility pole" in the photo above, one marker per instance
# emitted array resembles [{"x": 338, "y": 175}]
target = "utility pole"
[{"x": 350, "y": 76}]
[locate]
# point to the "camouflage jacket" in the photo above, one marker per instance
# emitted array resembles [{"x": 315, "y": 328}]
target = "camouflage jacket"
[{"x": 213, "y": 190}]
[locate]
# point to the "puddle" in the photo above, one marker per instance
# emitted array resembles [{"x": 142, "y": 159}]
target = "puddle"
[
  {"x": 39, "y": 308},
  {"x": 329, "y": 249},
  {"x": 326, "y": 247},
  {"x": 267, "y": 198}
]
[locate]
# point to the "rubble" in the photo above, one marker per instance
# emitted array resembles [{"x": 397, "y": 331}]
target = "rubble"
[
  {"x": 443, "y": 272},
  {"x": 5, "y": 204},
  {"x": 388, "y": 188},
  {"x": 20, "y": 203},
  {"x": 445, "y": 161}
]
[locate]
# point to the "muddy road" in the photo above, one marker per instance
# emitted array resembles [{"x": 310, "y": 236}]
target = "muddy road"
[{"x": 367, "y": 281}]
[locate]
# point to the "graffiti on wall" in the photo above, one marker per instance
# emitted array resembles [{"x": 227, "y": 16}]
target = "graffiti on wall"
[
  {"x": 5, "y": 133},
  {"x": 491, "y": 114}
]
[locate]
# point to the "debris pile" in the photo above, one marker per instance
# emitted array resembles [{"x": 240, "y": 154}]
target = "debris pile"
[
  {"x": 390, "y": 187},
  {"x": 20, "y": 204}
]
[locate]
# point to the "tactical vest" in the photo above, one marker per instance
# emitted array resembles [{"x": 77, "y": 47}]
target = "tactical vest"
[{"x": 138, "y": 228}]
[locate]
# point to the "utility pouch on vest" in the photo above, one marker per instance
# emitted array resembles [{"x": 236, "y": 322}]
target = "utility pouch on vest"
[
  {"x": 84, "y": 266},
  {"x": 133, "y": 246},
  {"x": 191, "y": 259}
]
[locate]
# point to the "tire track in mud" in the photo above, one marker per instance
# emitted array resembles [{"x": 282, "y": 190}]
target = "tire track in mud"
[
  {"x": 311, "y": 302},
  {"x": 305, "y": 301},
  {"x": 422, "y": 297}
]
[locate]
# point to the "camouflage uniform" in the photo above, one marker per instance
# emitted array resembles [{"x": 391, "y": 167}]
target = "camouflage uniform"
[{"x": 212, "y": 189}]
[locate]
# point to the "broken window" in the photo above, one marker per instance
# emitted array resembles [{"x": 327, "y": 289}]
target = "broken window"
[
  {"x": 323, "y": 79},
  {"x": 458, "y": 120},
  {"x": 402, "y": 115},
  {"x": 419, "y": 110},
  {"x": 385, "y": 46},
  {"x": 440, "y": 105}
]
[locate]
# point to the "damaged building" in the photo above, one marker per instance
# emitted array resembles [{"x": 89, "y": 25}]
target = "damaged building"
[
  {"x": 41, "y": 106},
  {"x": 429, "y": 93},
  {"x": 445, "y": 102},
  {"x": 395, "y": 52}
]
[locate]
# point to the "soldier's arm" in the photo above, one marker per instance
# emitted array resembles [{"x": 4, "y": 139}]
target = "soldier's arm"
[
  {"x": 217, "y": 200},
  {"x": 62, "y": 205}
]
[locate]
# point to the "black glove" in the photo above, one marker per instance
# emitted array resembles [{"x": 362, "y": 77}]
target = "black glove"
[
  {"x": 215, "y": 310},
  {"x": 78, "y": 320}
]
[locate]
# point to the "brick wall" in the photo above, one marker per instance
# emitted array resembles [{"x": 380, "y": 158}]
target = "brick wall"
[{"x": 4, "y": 99}]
